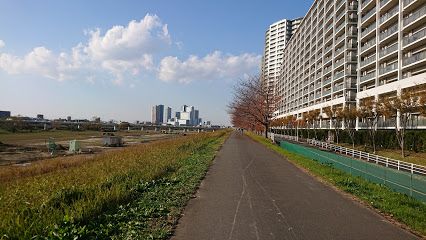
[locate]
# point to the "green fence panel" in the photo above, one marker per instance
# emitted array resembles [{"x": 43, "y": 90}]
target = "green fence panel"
[{"x": 411, "y": 184}]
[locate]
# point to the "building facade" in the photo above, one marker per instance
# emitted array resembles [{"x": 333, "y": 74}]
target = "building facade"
[
  {"x": 167, "y": 114},
  {"x": 348, "y": 50},
  {"x": 157, "y": 114},
  {"x": 276, "y": 38}
]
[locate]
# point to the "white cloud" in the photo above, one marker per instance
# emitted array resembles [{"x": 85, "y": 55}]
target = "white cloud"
[
  {"x": 131, "y": 42},
  {"x": 123, "y": 51},
  {"x": 2, "y": 44},
  {"x": 211, "y": 67},
  {"x": 40, "y": 61}
]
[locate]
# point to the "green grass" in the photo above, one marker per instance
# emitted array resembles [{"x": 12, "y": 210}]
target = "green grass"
[
  {"x": 400, "y": 207},
  {"x": 134, "y": 193}
]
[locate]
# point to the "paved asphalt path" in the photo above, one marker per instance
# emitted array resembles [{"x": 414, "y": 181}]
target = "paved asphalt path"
[{"x": 251, "y": 192}]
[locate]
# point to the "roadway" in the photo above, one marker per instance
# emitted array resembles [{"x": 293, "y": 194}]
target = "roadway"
[{"x": 251, "y": 192}]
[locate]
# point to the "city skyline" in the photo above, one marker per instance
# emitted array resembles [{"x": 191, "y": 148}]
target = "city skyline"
[{"x": 116, "y": 60}]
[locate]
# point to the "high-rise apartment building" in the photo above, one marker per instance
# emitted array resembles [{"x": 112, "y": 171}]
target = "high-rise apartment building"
[
  {"x": 276, "y": 38},
  {"x": 347, "y": 50}
]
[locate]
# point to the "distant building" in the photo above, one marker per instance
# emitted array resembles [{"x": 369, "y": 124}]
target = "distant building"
[
  {"x": 69, "y": 118},
  {"x": 196, "y": 118},
  {"x": 4, "y": 114},
  {"x": 157, "y": 114},
  {"x": 40, "y": 116},
  {"x": 167, "y": 114}
]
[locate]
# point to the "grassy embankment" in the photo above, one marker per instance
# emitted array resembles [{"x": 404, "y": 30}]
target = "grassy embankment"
[
  {"x": 400, "y": 207},
  {"x": 411, "y": 156},
  {"x": 136, "y": 193}
]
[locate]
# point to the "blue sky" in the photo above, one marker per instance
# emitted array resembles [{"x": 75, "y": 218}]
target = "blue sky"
[{"x": 114, "y": 59}]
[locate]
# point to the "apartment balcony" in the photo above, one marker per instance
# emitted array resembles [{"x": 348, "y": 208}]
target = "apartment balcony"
[
  {"x": 414, "y": 58},
  {"x": 416, "y": 15},
  {"x": 368, "y": 45},
  {"x": 389, "y": 68},
  {"x": 339, "y": 39},
  {"x": 389, "y": 15},
  {"x": 368, "y": 61},
  {"x": 340, "y": 3},
  {"x": 389, "y": 32},
  {"x": 383, "y": 2},
  {"x": 340, "y": 27},
  {"x": 338, "y": 75},
  {"x": 338, "y": 64},
  {"x": 408, "y": 2},
  {"x": 338, "y": 88},
  {"x": 328, "y": 81},
  {"x": 317, "y": 95},
  {"x": 388, "y": 50},
  {"x": 365, "y": 3},
  {"x": 414, "y": 38},
  {"x": 367, "y": 77},
  {"x": 368, "y": 15},
  {"x": 368, "y": 30},
  {"x": 338, "y": 51},
  {"x": 326, "y": 92}
]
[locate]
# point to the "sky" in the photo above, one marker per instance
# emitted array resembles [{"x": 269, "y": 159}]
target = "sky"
[{"x": 115, "y": 59}]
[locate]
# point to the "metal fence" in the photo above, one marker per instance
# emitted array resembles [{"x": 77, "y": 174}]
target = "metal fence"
[
  {"x": 413, "y": 185},
  {"x": 372, "y": 158},
  {"x": 380, "y": 160}
]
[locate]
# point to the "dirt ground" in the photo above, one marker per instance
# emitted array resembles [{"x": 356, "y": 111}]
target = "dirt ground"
[{"x": 22, "y": 148}]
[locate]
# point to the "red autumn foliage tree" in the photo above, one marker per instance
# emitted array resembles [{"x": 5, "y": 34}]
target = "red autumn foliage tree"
[{"x": 252, "y": 105}]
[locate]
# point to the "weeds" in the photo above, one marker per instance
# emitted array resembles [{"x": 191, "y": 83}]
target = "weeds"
[{"x": 132, "y": 193}]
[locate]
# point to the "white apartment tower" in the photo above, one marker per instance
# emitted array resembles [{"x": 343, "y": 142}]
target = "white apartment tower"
[
  {"x": 276, "y": 38},
  {"x": 347, "y": 50}
]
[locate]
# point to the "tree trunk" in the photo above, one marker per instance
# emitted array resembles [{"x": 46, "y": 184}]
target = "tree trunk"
[{"x": 266, "y": 130}]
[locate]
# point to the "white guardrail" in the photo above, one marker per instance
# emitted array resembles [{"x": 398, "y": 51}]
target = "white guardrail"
[{"x": 368, "y": 157}]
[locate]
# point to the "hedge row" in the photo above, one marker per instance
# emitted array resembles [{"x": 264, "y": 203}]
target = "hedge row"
[{"x": 415, "y": 140}]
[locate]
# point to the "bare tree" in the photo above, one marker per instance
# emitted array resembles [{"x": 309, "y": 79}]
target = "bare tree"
[
  {"x": 403, "y": 107},
  {"x": 311, "y": 119},
  {"x": 350, "y": 114},
  {"x": 370, "y": 112},
  {"x": 335, "y": 115},
  {"x": 253, "y": 104}
]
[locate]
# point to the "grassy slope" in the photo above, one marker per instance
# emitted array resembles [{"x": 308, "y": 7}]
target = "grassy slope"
[
  {"x": 411, "y": 156},
  {"x": 137, "y": 192},
  {"x": 400, "y": 207}
]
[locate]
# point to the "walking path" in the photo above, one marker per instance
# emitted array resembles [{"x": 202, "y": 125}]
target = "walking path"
[{"x": 251, "y": 192}]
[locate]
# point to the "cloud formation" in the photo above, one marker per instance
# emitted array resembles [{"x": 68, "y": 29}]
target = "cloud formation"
[
  {"x": 211, "y": 67},
  {"x": 124, "y": 52}
]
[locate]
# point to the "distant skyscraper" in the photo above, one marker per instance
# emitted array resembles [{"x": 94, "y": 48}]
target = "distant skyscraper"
[
  {"x": 196, "y": 117},
  {"x": 157, "y": 114},
  {"x": 167, "y": 114}
]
